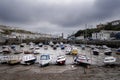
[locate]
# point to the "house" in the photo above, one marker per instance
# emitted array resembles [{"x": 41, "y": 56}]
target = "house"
[
  {"x": 104, "y": 35},
  {"x": 80, "y": 38}
]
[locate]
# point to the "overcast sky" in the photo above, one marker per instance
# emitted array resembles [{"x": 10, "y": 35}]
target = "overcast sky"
[{"x": 57, "y": 16}]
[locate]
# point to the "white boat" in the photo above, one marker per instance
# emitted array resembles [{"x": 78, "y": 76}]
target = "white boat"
[
  {"x": 118, "y": 51},
  {"x": 96, "y": 51},
  {"x": 51, "y": 43},
  {"x": 61, "y": 60},
  {"x": 31, "y": 43},
  {"x": 6, "y": 50},
  {"x": 14, "y": 59},
  {"x": 108, "y": 52},
  {"x": 31, "y": 47},
  {"x": 44, "y": 60},
  {"x": 4, "y": 59},
  {"x": 28, "y": 59},
  {"x": 22, "y": 44},
  {"x": 104, "y": 47},
  {"x": 54, "y": 47},
  {"x": 37, "y": 50},
  {"x": 57, "y": 44},
  {"x": 82, "y": 60},
  {"x": 83, "y": 47},
  {"x": 68, "y": 50},
  {"x": 45, "y": 47},
  {"x": 40, "y": 44},
  {"x": 92, "y": 47},
  {"x": 109, "y": 60}
]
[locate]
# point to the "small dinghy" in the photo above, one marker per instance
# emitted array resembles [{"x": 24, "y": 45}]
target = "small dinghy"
[
  {"x": 74, "y": 51},
  {"x": 61, "y": 60},
  {"x": 68, "y": 50},
  {"x": 118, "y": 51},
  {"x": 108, "y": 52},
  {"x": 82, "y": 60},
  {"x": 44, "y": 60},
  {"x": 28, "y": 59},
  {"x": 109, "y": 60},
  {"x": 6, "y": 50},
  {"x": 96, "y": 51},
  {"x": 36, "y": 50},
  {"x": 40, "y": 44}
]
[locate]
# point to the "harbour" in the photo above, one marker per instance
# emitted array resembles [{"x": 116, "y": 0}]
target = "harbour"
[{"x": 97, "y": 63}]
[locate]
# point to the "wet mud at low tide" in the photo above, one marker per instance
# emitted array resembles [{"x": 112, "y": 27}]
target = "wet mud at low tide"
[
  {"x": 63, "y": 72},
  {"x": 54, "y": 72}
]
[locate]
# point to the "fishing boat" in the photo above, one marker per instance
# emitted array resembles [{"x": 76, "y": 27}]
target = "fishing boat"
[
  {"x": 13, "y": 47},
  {"x": 68, "y": 50},
  {"x": 14, "y": 59},
  {"x": 82, "y": 60},
  {"x": 61, "y": 60},
  {"x": 40, "y": 44},
  {"x": 62, "y": 47},
  {"x": 31, "y": 47},
  {"x": 83, "y": 47},
  {"x": 51, "y": 44},
  {"x": 4, "y": 59},
  {"x": 118, "y": 51},
  {"x": 104, "y": 47},
  {"x": 57, "y": 44},
  {"x": 54, "y": 47},
  {"x": 108, "y": 52},
  {"x": 28, "y": 59},
  {"x": 22, "y": 44},
  {"x": 6, "y": 50},
  {"x": 27, "y": 52},
  {"x": 96, "y": 51},
  {"x": 37, "y": 50},
  {"x": 109, "y": 60},
  {"x": 74, "y": 51},
  {"x": 92, "y": 47},
  {"x": 45, "y": 47},
  {"x": 44, "y": 60}
]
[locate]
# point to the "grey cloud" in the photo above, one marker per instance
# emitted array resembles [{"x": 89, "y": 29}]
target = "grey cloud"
[{"x": 31, "y": 12}]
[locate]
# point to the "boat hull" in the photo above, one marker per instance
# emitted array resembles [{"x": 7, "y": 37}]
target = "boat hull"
[
  {"x": 60, "y": 62},
  {"x": 95, "y": 53}
]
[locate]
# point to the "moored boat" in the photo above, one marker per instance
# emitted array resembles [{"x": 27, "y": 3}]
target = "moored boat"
[
  {"x": 82, "y": 60},
  {"x": 44, "y": 60},
  {"x": 108, "y": 52},
  {"x": 96, "y": 51},
  {"x": 61, "y": 60},
  {"x": 74, "y": 51},
  {"x": 37, "y": 50},
  {"x": 109, "y": 60},
  {"x": 28, "y": 59},
  {"x": 118, "y": 51},
  {"x": 6, "y": 50},
  {"x": 14, "y": 59}
]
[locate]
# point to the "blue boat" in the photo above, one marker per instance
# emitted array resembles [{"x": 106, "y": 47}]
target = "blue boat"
[{"x": 118, "y": 51}]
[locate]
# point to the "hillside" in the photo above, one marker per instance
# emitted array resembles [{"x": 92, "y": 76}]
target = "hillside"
[
  {"x": 7, "y": 30},
  {"x": 88, "y": 32}
]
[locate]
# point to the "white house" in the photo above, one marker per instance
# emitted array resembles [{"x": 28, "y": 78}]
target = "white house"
[
  {"x": 31, "y": 36},
  {"x": 80, "y": 38},
  {"x": 104, "y": 35}
]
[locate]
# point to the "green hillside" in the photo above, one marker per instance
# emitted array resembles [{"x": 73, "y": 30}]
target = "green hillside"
[
  {"x": 88, "y": 32},
  {"x": 8, "y": 30}
]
